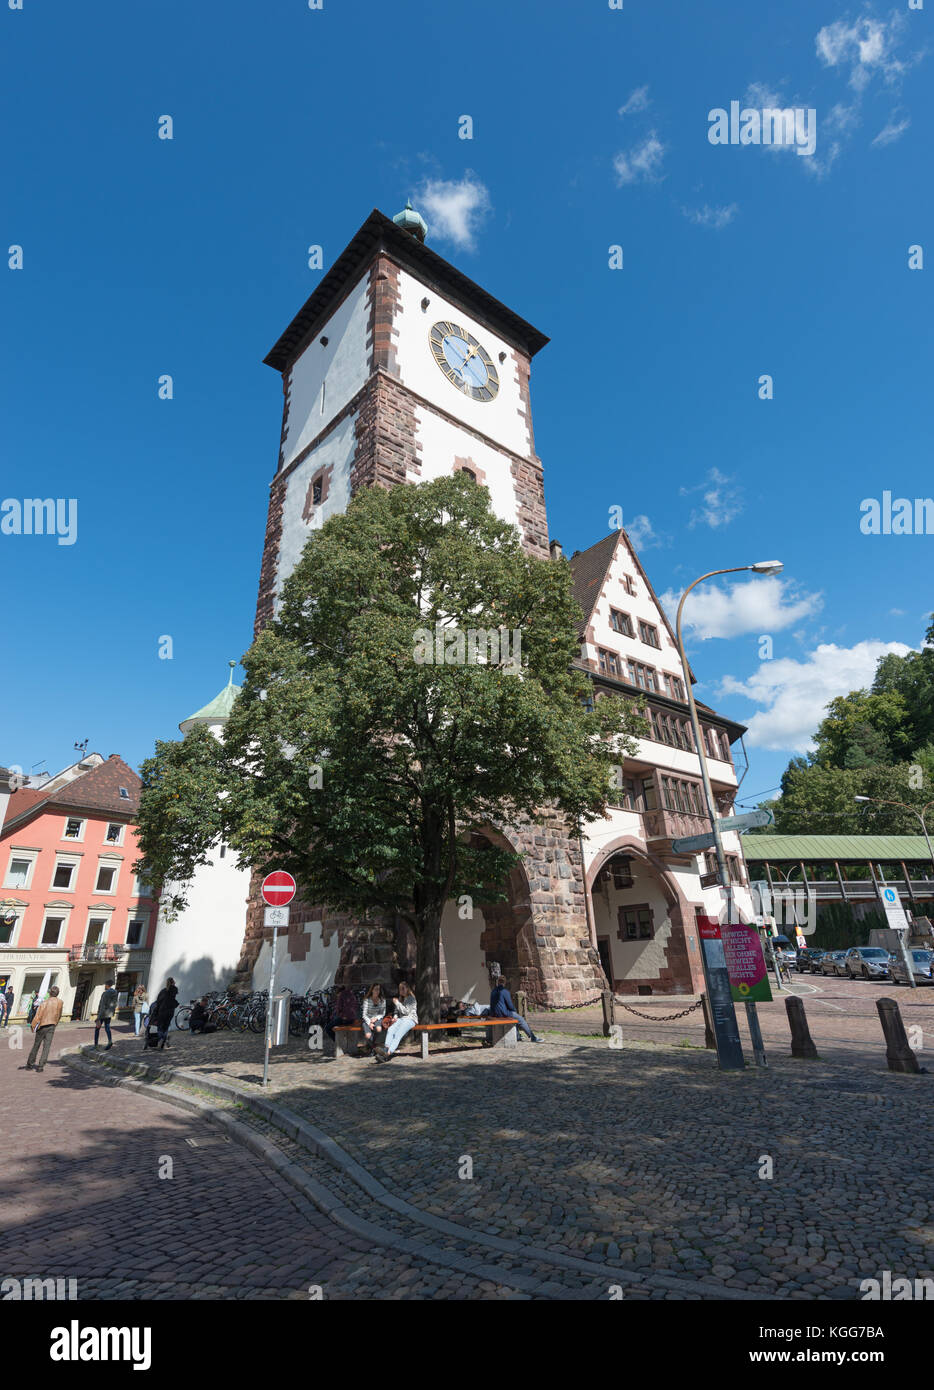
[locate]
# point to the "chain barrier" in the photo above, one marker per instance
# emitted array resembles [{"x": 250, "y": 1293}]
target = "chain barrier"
[{"x": 657, "y": 1018}]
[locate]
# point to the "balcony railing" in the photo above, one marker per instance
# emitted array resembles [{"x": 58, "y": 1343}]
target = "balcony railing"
[
  {"x": 673, "y": 825},
  {"x": 100, "y": 953}
]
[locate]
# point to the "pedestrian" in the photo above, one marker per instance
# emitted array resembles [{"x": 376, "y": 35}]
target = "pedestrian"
[
  {"x": 140, "y": 1007},
  {"x": 373, "y": 1017},
  {"x": 344, "y": 1013},
  {"x": 2, "y": 1009},
  {"x": 163, "y": 1010},
  {"x": 44, "y": 1023},
  {"x": 10, "y": 996},
  {"x": 501, "y": 1006},
  {"x": 105, "y": 1012},
  {"x": 32, "y": 1003},
  {"x": 200, "y": 1021},
  {"x": 405, "y": 1009}
]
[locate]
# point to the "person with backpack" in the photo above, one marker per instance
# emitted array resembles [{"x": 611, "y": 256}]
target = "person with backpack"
[{"x": 105, "y": 1012}]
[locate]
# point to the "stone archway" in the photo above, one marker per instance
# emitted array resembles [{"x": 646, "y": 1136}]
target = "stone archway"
[
  {"x": 540, "y": 936},
  {"x": 646, "y": 924}
]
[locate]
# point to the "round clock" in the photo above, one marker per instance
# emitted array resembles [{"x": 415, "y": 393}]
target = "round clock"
[{"x": 466, "y": 364}]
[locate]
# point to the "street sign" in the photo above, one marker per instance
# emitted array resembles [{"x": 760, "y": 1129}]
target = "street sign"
[
  {"x": 710, "y": 880},
  {"x": 719, "y": 996},
  {"x": 892, "y": 907},
  {"x": 278, "y": 888},
  {"x": 746, "y": 821},
  {"x": 276, "y": 917},
  {"x": 692, "y": 843},
  {"x": 749, "y": 979}
]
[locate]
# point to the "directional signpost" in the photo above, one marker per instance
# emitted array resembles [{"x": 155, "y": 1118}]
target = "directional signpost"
[
  {"x": 693, "y": 844},
  {"x": 278, "y": 890}
]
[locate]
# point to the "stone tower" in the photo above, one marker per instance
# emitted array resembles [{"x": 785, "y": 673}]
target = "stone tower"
[{"x": 400, "y": 369}]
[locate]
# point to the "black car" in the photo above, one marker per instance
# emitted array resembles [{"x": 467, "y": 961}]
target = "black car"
[{"x": 809, "y": 959}]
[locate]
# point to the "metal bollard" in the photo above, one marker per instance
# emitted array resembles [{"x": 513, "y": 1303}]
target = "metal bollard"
[
  {"x": 608, "y": 1005},
  {"x": 802, "y": 1044},
  {"x": 898, "y": 1054}
]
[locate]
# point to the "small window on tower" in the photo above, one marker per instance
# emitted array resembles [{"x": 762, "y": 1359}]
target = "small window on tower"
[
  {"x": 317, "y": 488},
  {"x": 470, "y": 474}
]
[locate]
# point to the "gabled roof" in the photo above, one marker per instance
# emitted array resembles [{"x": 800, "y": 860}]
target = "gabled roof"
[
  {"x": 380, "y": 232},
  {"x": 846, "y": 847},
  {"x": 590, "y": 568},
  {"x": 95, "y": 790}
]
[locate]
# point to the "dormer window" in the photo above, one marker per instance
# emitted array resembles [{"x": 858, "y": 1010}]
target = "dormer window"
[{"x": 124, "y": 794}]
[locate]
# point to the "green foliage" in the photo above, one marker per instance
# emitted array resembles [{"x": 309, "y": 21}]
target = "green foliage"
[
  {"x": 877, "y": 743},
  {"x": 416, "y": 760},
  {"x": 180, "y": 813}
]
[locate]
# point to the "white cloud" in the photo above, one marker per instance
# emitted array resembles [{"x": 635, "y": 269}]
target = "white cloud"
[
  {"x": 891, "y": 131},
  {"x": 794, "y": 694},
  {"x": 720, "y": 503},
  {"x": 761, "y": 605},
  {"x": 455, "y": 208},
  {"x": 642, "y": 162},
  {"x": 637, "y": 100},
  {"x": 642, "y": 534},
  {"x": 865, "y": 46},
  {"x": 711, "y": 217},
  {"x": 763, "y": 98}
]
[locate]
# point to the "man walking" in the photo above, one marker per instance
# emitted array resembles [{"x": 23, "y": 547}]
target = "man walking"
[
  {"x": 105, "y": 1012},
  {"x": 9, "y": 1005},
  {"x": 44, "y": 1023}
]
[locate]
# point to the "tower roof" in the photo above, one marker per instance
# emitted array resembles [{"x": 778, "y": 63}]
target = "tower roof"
[
  {"x": 380, "y": 232},
  {"x": 411, "y": 221},
  {"x": 218, "y": 709}
]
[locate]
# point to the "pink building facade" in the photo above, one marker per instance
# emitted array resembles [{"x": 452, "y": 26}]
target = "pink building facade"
[{"x": 73, "y": 912}]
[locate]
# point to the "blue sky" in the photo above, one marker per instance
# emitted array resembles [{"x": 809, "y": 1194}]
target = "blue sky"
[{"x": 143, "y": 257}]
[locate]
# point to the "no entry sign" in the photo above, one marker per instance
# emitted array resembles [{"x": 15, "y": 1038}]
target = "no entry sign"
[{"x": 278, "y": 888}]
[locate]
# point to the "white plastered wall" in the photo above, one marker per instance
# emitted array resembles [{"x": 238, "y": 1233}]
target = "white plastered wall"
[
  {"x": 500, "y": 419},
  {"x": 343, "y": 367},
  {"x": 316, "y": 971},
  {"x": 442, "y": 442},
  {"x": 336, "y": 450}
]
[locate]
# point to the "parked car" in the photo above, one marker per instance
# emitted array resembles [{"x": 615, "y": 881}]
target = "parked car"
[
  {"x": 829, "y": 962},
  {"x": 922, "y": 967},
  {"x": 809, "y": 959},
  {"x": 867, "y": 962}
]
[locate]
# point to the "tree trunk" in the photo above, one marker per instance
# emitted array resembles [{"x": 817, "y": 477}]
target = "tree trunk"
[{"x": 428, "y": 967}]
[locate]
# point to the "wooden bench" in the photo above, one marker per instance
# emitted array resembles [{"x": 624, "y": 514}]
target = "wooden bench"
[{"x": 501, "y": 1032}]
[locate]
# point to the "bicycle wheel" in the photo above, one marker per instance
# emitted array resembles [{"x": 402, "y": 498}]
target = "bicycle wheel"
[
  {"x": 182, "y": 1016},
  {"x": 258, "y": 1019}
]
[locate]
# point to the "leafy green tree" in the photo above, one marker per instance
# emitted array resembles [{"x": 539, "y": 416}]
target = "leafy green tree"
[{"x": 368, "y": 767}]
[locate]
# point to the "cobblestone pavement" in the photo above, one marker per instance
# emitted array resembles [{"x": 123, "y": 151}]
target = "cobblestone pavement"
[
  {"x": 642, "y": 1158},
  {"x": 82, "y": 1198}
]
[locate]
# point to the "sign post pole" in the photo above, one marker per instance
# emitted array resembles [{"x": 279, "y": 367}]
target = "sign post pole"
[
  {"x": 895, "y": 916},
  {"x": 755, "y": 1034},
  {"x": 278, "y": 890}
]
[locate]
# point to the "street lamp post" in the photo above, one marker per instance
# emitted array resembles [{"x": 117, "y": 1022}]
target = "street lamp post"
[{"x": 715, "y": 974}]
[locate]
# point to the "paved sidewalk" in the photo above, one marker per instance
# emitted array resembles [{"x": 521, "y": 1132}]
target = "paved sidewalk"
[
  {"x": 643, "y": 1158},
  {"x": 86, "y": 1195}
]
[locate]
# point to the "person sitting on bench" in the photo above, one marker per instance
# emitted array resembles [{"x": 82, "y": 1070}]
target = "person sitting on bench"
[
  {"x": 501, "y": 1006},
  {"x": 373, "y": 1016},
  {"x": 405, "y": 1008}
]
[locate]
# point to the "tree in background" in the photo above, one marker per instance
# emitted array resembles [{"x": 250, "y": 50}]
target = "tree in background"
[{"x": 367, "y": 753}]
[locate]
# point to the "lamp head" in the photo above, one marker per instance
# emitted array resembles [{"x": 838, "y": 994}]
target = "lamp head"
[
  {"x": 767, "y": 567},
  {"x": 862, "y": 798}
]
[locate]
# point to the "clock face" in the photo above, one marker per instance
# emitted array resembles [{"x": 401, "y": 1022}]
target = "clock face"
[{"x": 466, "y": 364}]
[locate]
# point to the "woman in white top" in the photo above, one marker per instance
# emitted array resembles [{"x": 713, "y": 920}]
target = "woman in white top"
[
  {"x": 372, "y": 1015},
  {"x": 405, "y": 1009}
]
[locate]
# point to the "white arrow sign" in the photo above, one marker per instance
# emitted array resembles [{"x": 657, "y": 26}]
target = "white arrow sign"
[{"x": 747, "y": 821}]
